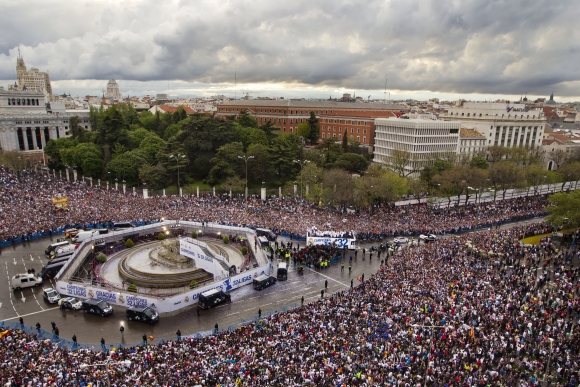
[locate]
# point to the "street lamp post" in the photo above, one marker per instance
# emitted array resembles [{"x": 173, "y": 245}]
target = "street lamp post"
[
  {"x": 246, "y": 158},
  {"x": 108, "y": 364},
  {"x": 301, "y": 163},
  {"x": 177, "y": 157}
]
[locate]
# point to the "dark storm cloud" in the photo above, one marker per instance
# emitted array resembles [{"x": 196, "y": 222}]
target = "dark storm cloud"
[{"x": 477, "y": 46}]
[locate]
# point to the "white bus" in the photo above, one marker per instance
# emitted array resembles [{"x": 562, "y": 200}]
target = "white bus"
[{"x": 347, "y": 240}]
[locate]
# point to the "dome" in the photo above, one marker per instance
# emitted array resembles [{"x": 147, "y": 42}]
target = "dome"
[{"x": 551, "y": 100}]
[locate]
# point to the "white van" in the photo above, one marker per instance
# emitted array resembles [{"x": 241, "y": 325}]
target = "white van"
[
  {"x": 54, "y": 246},
  {"x": 20, "y": 281},
  {"x": 84, "y": 235},
  {"x": 64, "y": 251}
]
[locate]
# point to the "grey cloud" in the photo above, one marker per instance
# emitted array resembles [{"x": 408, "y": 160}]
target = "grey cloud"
[{"x": 472, "y": 46}]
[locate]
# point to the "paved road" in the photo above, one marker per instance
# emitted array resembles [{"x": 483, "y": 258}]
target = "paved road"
[{"x": 29, "y": 304}]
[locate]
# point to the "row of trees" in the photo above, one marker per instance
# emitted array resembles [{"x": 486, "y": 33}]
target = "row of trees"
[{"x": 152, "y": 148}]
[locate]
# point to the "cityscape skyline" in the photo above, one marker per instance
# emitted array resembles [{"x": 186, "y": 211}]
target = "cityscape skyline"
[{"x": 475, "y": 50}]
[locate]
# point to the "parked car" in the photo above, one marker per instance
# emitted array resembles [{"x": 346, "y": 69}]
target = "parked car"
[
  {"x": 92, "y": 305},
  {"x": 212, "y": 298},
  {"x": 263, "y": 281},
  {"x": 71, "y": 303},
  {"x": 143, "y": 314},
  {"x": 50, "y": 295},
  {"x": 428, "y": 238},
  {"x": 400, "y": 240}
]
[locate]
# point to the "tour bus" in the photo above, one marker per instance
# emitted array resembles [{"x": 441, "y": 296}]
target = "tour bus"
[{"x": 348, "y": 240}]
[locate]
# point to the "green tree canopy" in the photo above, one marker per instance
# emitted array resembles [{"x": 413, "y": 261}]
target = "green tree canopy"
[
  {"x": 564, "y": 210},
  {"x": 479, "y": 162},
  {"x": 247, "y": 120},
  {"x": 226, "y": 162},
  {"x": 352, "y": 163}
]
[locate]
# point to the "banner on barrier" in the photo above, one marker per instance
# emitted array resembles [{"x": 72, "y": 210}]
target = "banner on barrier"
[{"x": 165, "y": 305}]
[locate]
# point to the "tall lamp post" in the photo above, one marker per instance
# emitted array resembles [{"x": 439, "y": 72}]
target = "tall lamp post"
[
  {"x": 177, "y": 157},
  {"x": 301, "y": 163},
  {"x": 126, "y": 363},
  {"x": 246, "y": 158}
]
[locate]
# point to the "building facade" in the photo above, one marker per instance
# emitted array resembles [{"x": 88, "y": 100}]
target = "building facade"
[
  {"x": 422, "y": 139},
  {"x": 504, "y": 124},
  {"x": 471, "y": 143},
  {"x": 32, "y": 79},
  {"x": 113, "y": 90},
  {"x": 335, "y": 119},
  {"x": 26, "y": 123}
]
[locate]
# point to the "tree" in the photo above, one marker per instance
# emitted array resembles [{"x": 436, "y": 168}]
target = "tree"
[
  {"x": 260, "y": 168},
  {"x": 234, "y": 183},
  {"x": 154, "y": 176},
  {"x": 344, "y": 143},
  {"x": 352, "y": 163},
  {"x": 569, "y": 171},
  {"x": 53, "y": 150},
  {"x": 505, "y": 174},
  {"x": 134, "y": 137},
  {"x": 247, "y": 120},
  {"x": 401, "y": 162},
  {"x": 127, "y": 166},
  {"x": 338, "y": 186},
  {"x": 77, "y": 131},
  {"x": 497, "y": 153},
  {"x": 479, "y": 162},
  {"x": 226, "y": 162},
  {"x": 564, "y": 209},
  {"x": 87, "y": 157},
  {"x": 151, "y": 146},
  {"x": 269, "y": 129},
  {"x": 314, "y": 128},
  {"x": 303, "y": 130},
  {"x": 379, "y": 185},
  {"x": 418, "y": 188}
]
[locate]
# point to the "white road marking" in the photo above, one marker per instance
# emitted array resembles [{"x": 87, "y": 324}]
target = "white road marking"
[
  {"x": 29, "y": 314},
  {"x": 23, "y": 298}
]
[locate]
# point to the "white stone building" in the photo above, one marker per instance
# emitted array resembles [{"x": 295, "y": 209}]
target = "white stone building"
[
  {"x": 423, "y": 139},
  {"x": 26, "y": 122},
  {"x": 113, "y": 90},
  {"x": 31, "y": 80},
  {"x": 471, "y": 143},
  {"x": 504, "y": 124}
]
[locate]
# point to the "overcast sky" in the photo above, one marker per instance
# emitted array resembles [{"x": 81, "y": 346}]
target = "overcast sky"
[{"x": 475, "y": 49}]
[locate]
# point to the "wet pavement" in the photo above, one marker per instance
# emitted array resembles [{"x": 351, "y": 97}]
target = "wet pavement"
[{"x": 30, "y": 305}]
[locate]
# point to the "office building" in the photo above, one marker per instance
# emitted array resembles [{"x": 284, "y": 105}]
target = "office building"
[
  {"x": 504, "y": 124},
  {"x": 335, "y": 119},
  {"x": 422, "y": 140},
  {"x": 31, "y": 80}
]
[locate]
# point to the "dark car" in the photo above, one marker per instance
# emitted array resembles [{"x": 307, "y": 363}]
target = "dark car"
[
  {"x": 92, "y": 305},
  {"x": 263, "y": 281},
  {"x": 212, "y": 298},
  {"x": 143, "y": 314}
]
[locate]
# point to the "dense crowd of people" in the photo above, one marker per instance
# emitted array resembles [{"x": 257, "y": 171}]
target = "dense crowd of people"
[
  {"x": 26, "y": 208},
  {"x": 472, "y": 310}
]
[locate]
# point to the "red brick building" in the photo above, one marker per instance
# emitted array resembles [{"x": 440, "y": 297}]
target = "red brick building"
[{"x": 334, "y": 118}]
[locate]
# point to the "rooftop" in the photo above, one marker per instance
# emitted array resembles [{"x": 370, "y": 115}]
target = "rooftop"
[
  {"x": 470, "y": 133},
  {"x": 313, "y": 104}
]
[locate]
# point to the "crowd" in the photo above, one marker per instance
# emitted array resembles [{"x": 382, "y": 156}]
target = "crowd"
[
  {"x": 26, "y": 208},
  {"x": 471, "y": 310}
]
